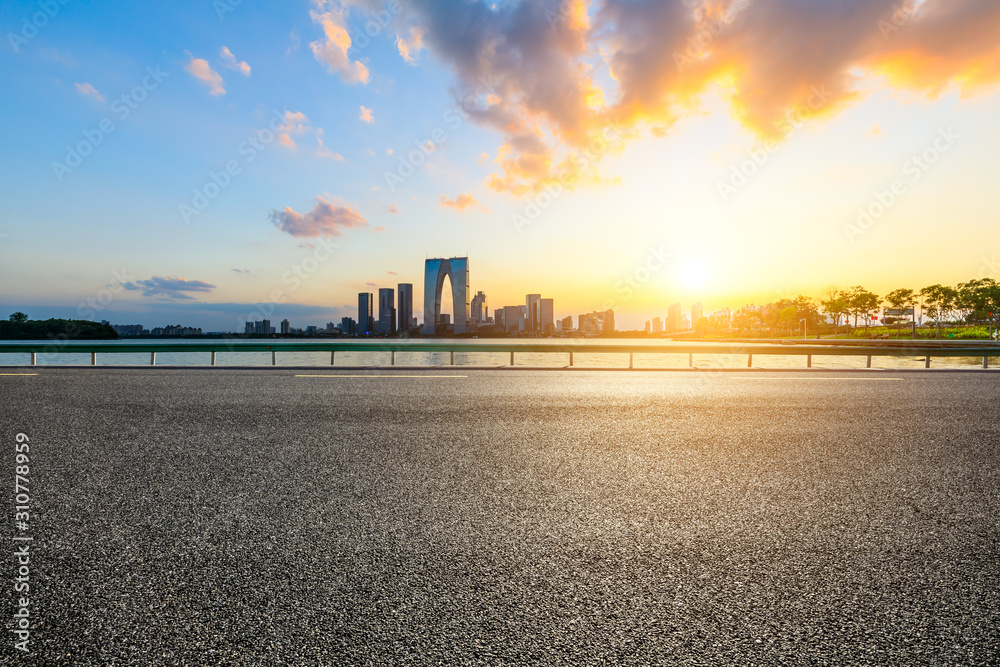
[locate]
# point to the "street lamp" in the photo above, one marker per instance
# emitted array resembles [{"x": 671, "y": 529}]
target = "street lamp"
[{"x": 805, "y": 329}]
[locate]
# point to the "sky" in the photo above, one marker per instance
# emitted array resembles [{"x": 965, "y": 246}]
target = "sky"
[{"x": 207, "y": 163}]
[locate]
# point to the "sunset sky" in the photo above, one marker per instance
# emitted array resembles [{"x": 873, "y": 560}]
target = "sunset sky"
[{"x": 191, "y": 159}]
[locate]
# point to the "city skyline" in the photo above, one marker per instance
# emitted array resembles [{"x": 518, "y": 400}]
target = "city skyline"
[{"x": 274, "y": 161}]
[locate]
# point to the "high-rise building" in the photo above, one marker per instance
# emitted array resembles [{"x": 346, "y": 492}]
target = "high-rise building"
[
  {"x": 387, "y": 311},
  {"x": 498, "y": 317},
  {"x": 697, "y": 312},
  {"x": 249, "y": 328},
  {"x": 285, "y": 326},
  {"x": 674, "y": 317},
  {"x": 567, "y": 323},
  {"x": 546, "y": 316},
  {"x": 404, "y": 306},
  {"x": 456, "y": 269},
  {"x": 532, "y": 315},
  {"x": 365, "y": 323},
  {"x": 480, "y": 308},
  {"x": 511, "y": 316},
  {"x": 657, "y": 325},
  {"x": 685, "y": 322},
  {"x": 348, "y": 326}
]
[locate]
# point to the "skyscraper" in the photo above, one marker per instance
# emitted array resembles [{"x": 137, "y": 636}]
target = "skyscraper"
[
  {"x": 480, "y": 306},
  {"x": 674, "y": 317},
  {"x": 532, "y": 314},
  {"x": 696, "y": 313},
  {"x": 546, "y": 316},
  {"x": 285, "y": 326},
  {"x": 404, "y": 306},
  {"x": 365, "y": 323},
  {"x": 387, "y": 311},
  {"x": 657, "y": 325},
  {"x": 511, "y": 317}
]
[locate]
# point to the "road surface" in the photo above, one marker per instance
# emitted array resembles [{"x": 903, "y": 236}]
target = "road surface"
[{"x": 270, "y": 516}]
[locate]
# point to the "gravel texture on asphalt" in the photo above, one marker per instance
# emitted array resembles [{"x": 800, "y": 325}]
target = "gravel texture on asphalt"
[{"x": 252, "y": 517}]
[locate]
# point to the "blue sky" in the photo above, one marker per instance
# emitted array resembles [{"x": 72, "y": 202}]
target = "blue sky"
[{"x": 166, "y": 97}]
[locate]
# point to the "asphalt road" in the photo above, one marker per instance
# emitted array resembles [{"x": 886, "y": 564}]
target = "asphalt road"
[{"x": 255, "y": 517}]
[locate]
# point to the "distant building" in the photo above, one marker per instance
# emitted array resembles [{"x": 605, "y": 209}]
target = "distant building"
[
  {"x": 311, "y": 329},
  {"x": 532, "y": 316},
  {"x": 366, "y": 322},
  {"x": 498, "y": 317},
  {"x": 250, "y": 328},
  {"x": 129, "y": 329},
  {"x": 674, "y": 317},
  {"x": 546, "y": 316},
  {"x": 657, "y": 325},
  {"x": 285, "y": 326},
  {"x": 685, "y": 323},
  {"x": 480, "y": 308},
  {"x": 348, "y": 326},
  {"x": 697, "y": 312},
  {"x": 387, "y": 311},
  {"x": 567, "y": 323},
  {"x": 404, "y": 306},
  {"x": 511, "y": 316}
]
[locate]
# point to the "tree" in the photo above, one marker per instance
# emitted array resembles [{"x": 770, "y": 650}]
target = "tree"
[
  {"x": 835, "y": 305},
  {"x": 18, "y": 317},
  {"x": 981, "y": 297},
  {"x": 861, "y": 302},
  {"x": 901, "y": 298},
  {"x": 939, "y": 300}
]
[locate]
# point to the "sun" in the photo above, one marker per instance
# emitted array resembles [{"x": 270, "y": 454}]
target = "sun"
[{"x": 693, "y": 273}]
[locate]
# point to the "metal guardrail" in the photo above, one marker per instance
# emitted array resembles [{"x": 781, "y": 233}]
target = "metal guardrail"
[{"x": 749, "y": 349}]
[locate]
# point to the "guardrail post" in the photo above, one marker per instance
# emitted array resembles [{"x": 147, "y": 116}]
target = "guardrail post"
[
  {"x": 332, "y": 353},
  {"x": 452, "y": 358},
  {"x": 213, "y": 358},
  {"x": 274, "y": 358},
  {"x": 630, "y": 360},
  {"x": 152, "y": 358},
  {"x": 986, "y": 362},
  {"x": 750, "y": 360},
  {"x": 869, "y": 363},
  {"x": 570, "y": 358},
  {"x": 93, "y": 358},
  {"x": 927, "y": 361},
  {"x": 512, "y": 357},
  {"x": 392, "y": 358},
  {"x": 32, "y": 358},
  {"x": 809, "y": 361}
]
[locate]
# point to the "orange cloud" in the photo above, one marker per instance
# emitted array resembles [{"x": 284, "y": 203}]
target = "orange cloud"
[
  {"x": 462, "y": 202},
  {"x": 332, "y": 51},
  {"x": 529, "y": 70},
  {"x": 201, "y": 70}
]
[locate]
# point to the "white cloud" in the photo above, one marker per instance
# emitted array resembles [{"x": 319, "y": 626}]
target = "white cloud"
[{"x": 366, "y": 115}]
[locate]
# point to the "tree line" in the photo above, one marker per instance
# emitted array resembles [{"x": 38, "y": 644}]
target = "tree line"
[{"x": 974, "y": 302}]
